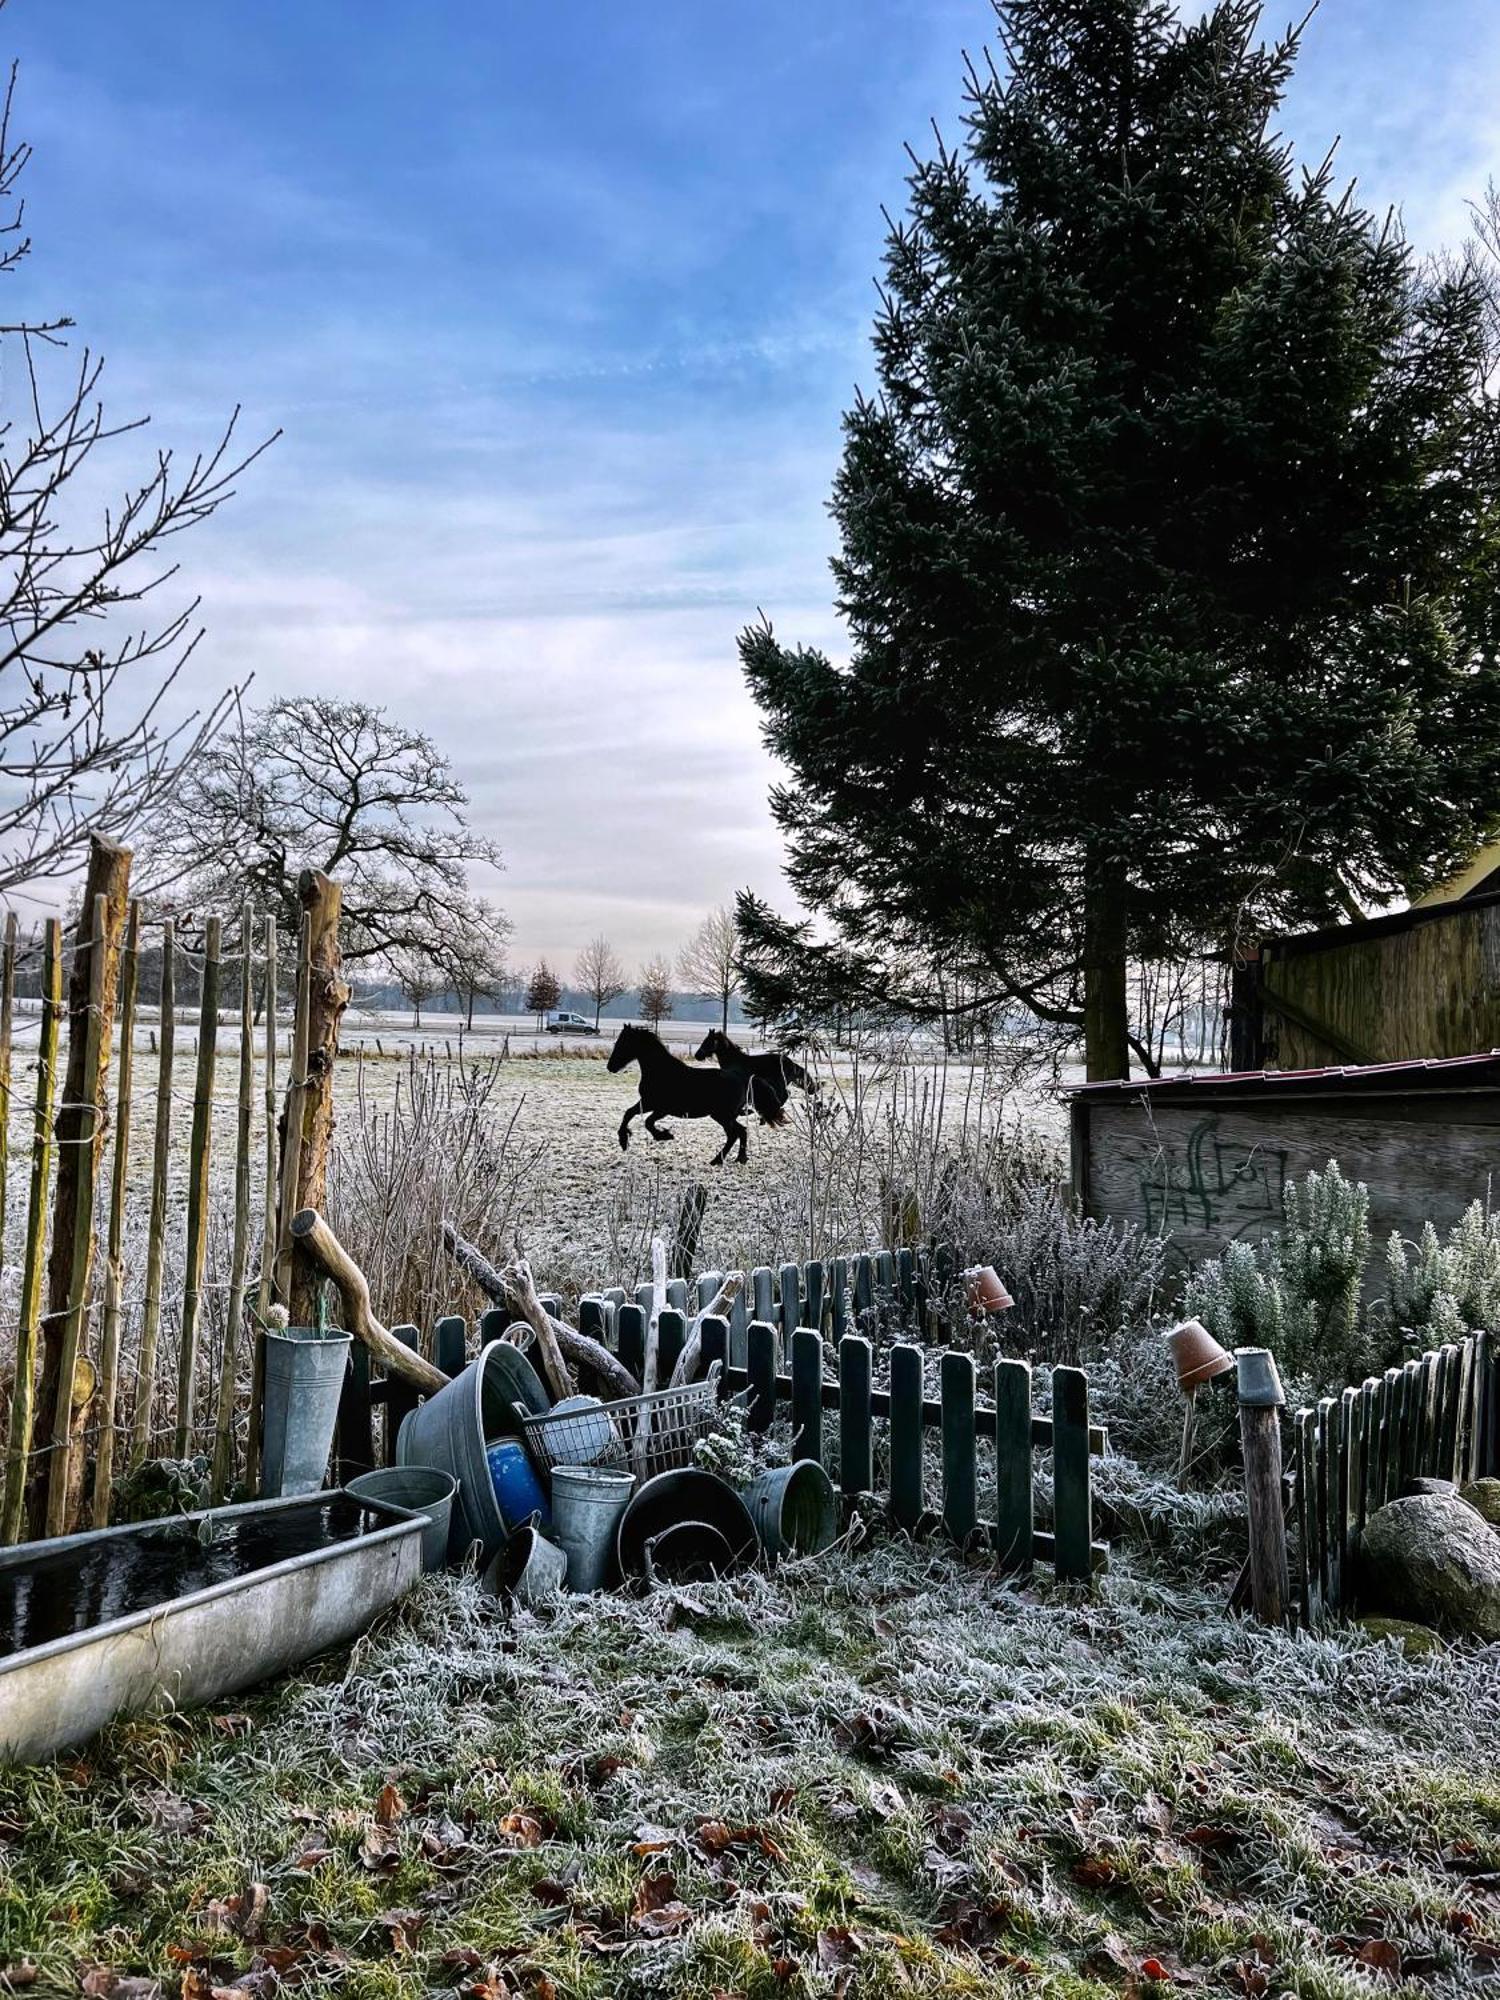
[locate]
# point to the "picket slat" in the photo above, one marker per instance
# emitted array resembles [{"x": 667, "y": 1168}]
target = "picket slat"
[
  {"x": 762, "y": 1375},
  {"x": 907, "y": 1502},
  {"x": 960, "y": 1496},
  {"x": 1013, "y": 1484},
  {"x": 630, "y": 1338},
  {"x": 807, "y": 1394},
  {"x": 813, "y": 1279},
  {"x": 450, "y": 1341},
  {"x": 790, "y": 1302},
  {"x": 856, "y": 1435},
  {"x": 1072, "y": 1501},
  {"x": 671, "y": 1337}
]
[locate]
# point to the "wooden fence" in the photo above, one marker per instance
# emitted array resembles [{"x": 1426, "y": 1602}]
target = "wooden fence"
[
  {"x": 834, "y": 1421},
  {"x": 1438, "y": 1417}
]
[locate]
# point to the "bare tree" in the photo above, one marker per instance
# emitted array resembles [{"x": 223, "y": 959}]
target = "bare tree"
[
  {"x": 86, "y": 744},
  {"x": 656, "y": 991},
  {"x": 708, "y": 962},
  {"x": 312, "y": 782},
  {"x": 473, "y": 956},
  {"x": 599, "y": 973},
  {"x": 419, "y": 978},
  {"x": 542, "y": 992}
]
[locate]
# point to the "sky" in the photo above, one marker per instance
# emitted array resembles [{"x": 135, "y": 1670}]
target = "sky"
[{"x": 557, "y": 306}]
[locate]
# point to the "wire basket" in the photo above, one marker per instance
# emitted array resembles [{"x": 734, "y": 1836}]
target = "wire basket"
[{"x": 640, "y": 1434}]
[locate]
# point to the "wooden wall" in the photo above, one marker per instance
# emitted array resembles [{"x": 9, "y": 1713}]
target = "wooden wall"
[
  {"x": 1424, "y": 985},
  {"x": 1207, "y": 1169}
]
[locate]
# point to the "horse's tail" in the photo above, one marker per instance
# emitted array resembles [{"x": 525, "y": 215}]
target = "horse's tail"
[{"x": 768, "y": 1101}]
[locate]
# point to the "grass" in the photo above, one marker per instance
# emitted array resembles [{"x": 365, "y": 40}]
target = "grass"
[{"x": 881, "y": 1773}]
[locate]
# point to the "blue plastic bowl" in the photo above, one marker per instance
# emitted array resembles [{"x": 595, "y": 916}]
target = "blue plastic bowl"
[{"x": 518, "y": 1491}]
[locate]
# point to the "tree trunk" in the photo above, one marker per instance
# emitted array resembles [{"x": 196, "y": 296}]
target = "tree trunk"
[
  {"x": 1105, "y": 1014},
  {"x": 724, "y": 1012},
  {"x": 328, "y": 996},
  {"x": 80, "y": 1128}
]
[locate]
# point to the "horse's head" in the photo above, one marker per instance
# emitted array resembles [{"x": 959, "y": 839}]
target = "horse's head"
[
  {"x": 708, "y": 1048},
  {"x": 624, "y": 1050}
]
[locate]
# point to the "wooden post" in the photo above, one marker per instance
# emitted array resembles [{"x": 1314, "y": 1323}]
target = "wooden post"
[
  {"x": 18, "y": 1441},
  {"x": 81, "y": 1121},
  {"x": 1261, "y": 1403},
  {"x": 907, "y": 1504},
  {"x": 239, "y": 1256},
  {"x": 114, "y": 1270},
  {"x": 328, "y": 996},
  {"x": 156, "y": 1232},
  {"x": 291, "y": 1117},
  {"x": 199, "y": 1156},
  {"x": 268, "y": 1231},
  {"x": 7, "y": 1011}
]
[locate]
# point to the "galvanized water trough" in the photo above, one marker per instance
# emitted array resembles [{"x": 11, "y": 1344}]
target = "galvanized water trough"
[{"x": 167, "y": 1614}]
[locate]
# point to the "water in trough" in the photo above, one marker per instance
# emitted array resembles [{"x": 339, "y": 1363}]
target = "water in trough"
[{"x": 53, "y": 1596}]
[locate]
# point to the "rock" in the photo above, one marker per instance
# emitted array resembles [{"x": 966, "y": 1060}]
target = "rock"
[
  {"x": 1413, "y": 1639},
  {"x": 1423, "y": 1484},
  {"x": 1483, "y": 1495},
  {"x": 1432, "y": 1559}
]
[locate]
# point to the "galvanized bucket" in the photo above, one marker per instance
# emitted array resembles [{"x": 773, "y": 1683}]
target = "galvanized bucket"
[
  {"x": 587, "y": 1502},
  {"x": 453, "y": 1429},
  {"x": 530, "y": 1567},
  {"x": 794, "y": 1508},
  {"x": 304, "y": 1378},
  {"x": 426, "y": 1490}
]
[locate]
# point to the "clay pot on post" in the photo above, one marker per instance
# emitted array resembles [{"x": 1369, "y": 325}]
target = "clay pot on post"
[
  {"x": 984, "y": 1291},
  {"x": 1198, "y": 1358}
]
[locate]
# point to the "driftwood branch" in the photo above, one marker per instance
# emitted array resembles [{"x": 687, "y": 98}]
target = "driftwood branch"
[
  {"x": 691, "y": 1357},
  {"x": 317, "y": 1241},
  {"x": 507, "y": 1287}
]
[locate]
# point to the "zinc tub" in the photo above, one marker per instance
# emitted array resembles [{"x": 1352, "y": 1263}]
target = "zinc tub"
[{"x": 91, "y": 1629}]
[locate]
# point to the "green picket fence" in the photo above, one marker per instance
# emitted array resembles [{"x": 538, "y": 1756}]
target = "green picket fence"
[{"x": 1438, "y": 1417}]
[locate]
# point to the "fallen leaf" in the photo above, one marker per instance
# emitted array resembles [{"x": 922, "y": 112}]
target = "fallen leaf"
[
  {"x": 1152, "y": 1968},
  {"x": 837, "y": 1946},
  {"x": 231, "y": 1725},
  {"x": 389, "y": 1806},
  {"x": 651, "y": 1839},
  {"x": 102, "y": 1982},
  {"x": 525, "y": 1829},
  {"x": 1092, "y": 1872},
  {"x": 1213, "y": 1839},
  {"x": 1154, "y": 1814},
  {"x": 1381, "y": 1956},
  {"x": 313, "y": 1857},
  {"x": 380, "y": 1850},
  {"x": 14, "y": 1977},
  {"x": 665, "y": 1922},
  {"x": 654, "y": 1890},
  {"x": 402, "y": 1926}
]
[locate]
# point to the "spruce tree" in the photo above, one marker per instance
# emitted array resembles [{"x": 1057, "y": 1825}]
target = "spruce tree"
[{"x": 1167, "y": 550}]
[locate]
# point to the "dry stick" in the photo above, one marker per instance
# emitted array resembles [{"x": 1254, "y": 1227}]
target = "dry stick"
[
  {"x": 268, "y": 1233},
  {"x": 517, "y": 1276},
  {"x": 291, "y": 1128},
  {"x": 22, "y": 1402},
  {"x": 7, "y": 1012},
  {"x": 156, "y": 1233},
  {"x": 327, "y": 997},
  {"x": 577, "y": 1348},
  {"x": 692, "y": 1347},
  {"x": 641, "y": 1443},
  {"x": 114, "y": 1270},
  {"x": 223, "y": 1467},
  {"x": 65, "y": 1412},
  {"x": 200, "y": 1150},
  {"x": 311, "y": 1234}
]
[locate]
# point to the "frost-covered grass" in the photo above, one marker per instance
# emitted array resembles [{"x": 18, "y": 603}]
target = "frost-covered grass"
[{"x": 879, "y": 1773}]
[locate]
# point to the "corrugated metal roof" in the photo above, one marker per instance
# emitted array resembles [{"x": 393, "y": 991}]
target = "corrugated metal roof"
[{"x": 1474, "y": 1072}]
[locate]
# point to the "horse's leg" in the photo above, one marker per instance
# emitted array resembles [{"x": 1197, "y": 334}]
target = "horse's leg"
[
  {"x": 744, "y": 1142},
  {"x": 625, "y": 1125},
  {"x": 652, "y": 1127},
  {"x": 729, "y": 1130}
]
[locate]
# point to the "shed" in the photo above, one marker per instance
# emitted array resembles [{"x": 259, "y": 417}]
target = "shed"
[
  {"x": 1422, "y": 982},
  {"x": 1207, "y": 1158}
]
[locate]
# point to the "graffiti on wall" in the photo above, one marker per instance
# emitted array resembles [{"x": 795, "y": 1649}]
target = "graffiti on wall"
[{"x": 1206, "y": 1182}]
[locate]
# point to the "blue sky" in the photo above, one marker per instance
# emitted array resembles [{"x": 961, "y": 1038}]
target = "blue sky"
[{"x": 558, "y": 306}]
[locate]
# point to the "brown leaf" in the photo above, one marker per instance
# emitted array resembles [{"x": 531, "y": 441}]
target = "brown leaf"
[
  {"x": 651, "y": 1839},
  {"x": 102, "y": 1982},
  {"x": 313, "y": 1857},
  {"x": 231, "y": 1725},
  {"x": 654, "y": 1890},
  {"x": 403, "y": 1926},
  {"x": 837, "y": 1946},
  {"x": 523, "y": 1828},
  {"x": 389, "y": 1806},
  {"x": 783, "y": 1798},
  {"x": 1381, "y": 1956},
  {"x": 14, "y": 1977},
  {"x": 380, "y": 1850},
  {"x": 665, "y": 1922},
  {"x": 1213, "y": 1839},
  {"x": 1154, "y": 1814},
  {"x": 1093, "y": 1872}
]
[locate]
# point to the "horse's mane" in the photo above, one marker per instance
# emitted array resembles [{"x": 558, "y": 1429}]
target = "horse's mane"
[{"x": 730, "y": 1048}]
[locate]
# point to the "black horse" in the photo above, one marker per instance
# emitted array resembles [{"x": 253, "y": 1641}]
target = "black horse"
[
  {"x": 671, "y": 1088},
  {"x": 770, "y": 1075}
]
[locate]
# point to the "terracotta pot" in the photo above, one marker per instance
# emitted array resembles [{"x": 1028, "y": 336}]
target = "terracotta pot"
[
  {"x": 1196, "y": 1355},
  {"x": 985, "y": 1292}
]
